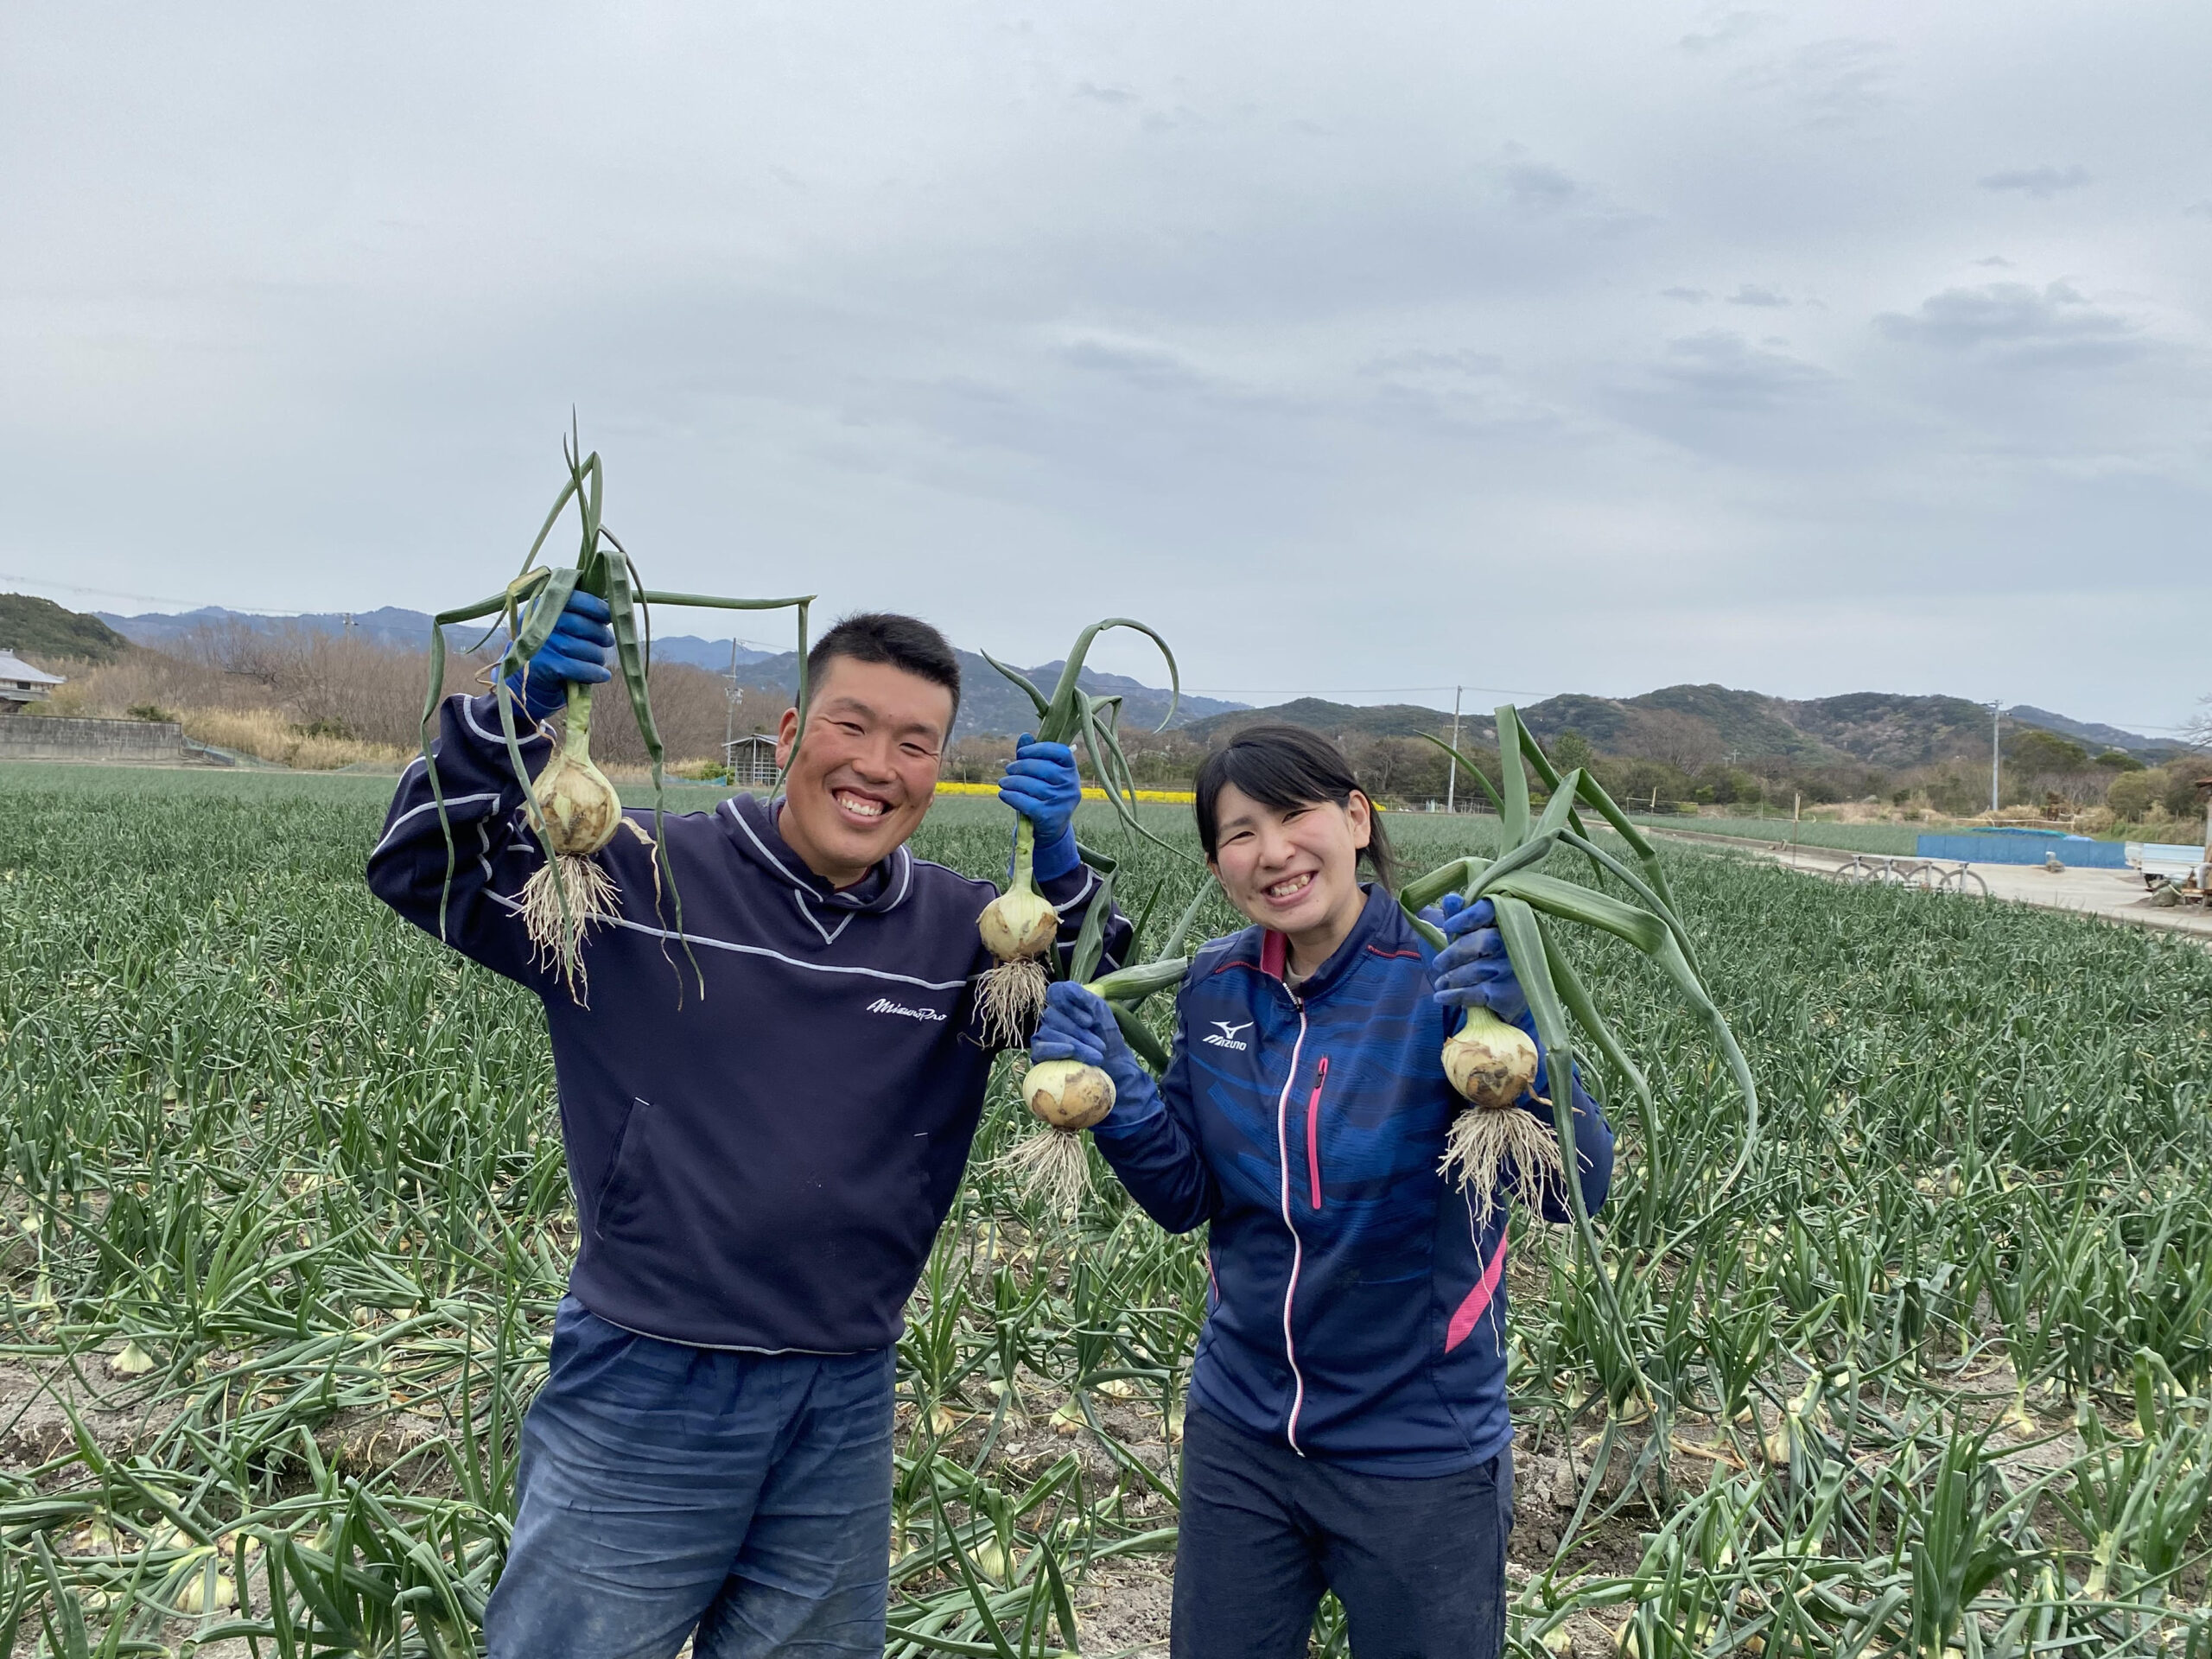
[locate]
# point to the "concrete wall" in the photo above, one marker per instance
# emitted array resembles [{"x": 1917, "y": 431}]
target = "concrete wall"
[{"x": 41, "y": 737}]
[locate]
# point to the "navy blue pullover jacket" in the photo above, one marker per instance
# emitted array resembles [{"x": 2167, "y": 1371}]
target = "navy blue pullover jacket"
[
  {"x": 764, "y": 1167},
  {"x": 1357, "y": 1314}
]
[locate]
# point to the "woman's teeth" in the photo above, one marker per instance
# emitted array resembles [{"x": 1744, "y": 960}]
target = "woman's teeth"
[
  {"x": 860, "y": 806},
  {"x": 1290, "y": 888}
]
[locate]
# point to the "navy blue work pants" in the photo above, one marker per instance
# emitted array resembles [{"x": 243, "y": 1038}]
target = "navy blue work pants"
[
  {"x": 668, "y": 1492},
  {"x": 1419, "y": 1564}
]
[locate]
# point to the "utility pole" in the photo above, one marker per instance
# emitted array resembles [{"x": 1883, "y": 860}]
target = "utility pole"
[
  {"x": 1996, "y": 719},
  {"x": 1452, "y": 781},
  {"x": 729, "y": 719}
]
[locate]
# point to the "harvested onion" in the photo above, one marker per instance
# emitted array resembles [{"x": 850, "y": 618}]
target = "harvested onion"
[
  {"x": 1068, "y": 1097},
  {"x": 1493, "y": 1143},
  {"x": 1018, "y": 928},
  {"x": 578, "y": 812}
]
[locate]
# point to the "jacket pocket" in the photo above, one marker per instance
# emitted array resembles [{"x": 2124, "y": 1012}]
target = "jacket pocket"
[
  {"x": 623, "y": 1186},
  {"x": 1314, "y": 1132}
]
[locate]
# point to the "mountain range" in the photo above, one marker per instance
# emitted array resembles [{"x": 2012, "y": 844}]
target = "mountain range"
[
  {"x": 1697, "y": 726},
  {"x": 389, "y": 627},
  {"x": 989, "y": 702},
  {"x": 1692, "y": 726}
]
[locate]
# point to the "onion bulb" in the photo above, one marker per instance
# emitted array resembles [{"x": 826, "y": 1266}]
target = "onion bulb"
[
  {"x": 1067, "y": 1096},
  {"x": 1018, "y": 924},
  {"x": 1018, "y": 928},
  {"x": 1490, "y": 1063},
  {"x": 578, "y": 812},
  {"x": 1493, "y": 1145}
]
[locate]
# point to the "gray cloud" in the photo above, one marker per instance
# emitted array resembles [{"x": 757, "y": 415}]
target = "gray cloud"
[
  {"x": 1418, "y": 362},
  {"x": 1752, "y": 294},
  {"x": 1539, "y": 185},
  {"x": 2041, "y": 183},
  {"x": 1833, "y": 82},
  {"x": 1727, "y": 30},
  {"x": 1687, "y": 295},
  {"x": 1724, "y": 371},
  {"x": 2049, "y": 325}
]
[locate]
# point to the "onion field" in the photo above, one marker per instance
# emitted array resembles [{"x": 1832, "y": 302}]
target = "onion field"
[{"x": 284, "y": 1219}]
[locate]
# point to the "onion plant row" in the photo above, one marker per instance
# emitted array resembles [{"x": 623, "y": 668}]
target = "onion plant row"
[{"x": 1940, "y": 1355}]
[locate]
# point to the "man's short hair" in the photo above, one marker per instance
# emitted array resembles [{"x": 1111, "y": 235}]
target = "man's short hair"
[{"x": 905, "y": 642}]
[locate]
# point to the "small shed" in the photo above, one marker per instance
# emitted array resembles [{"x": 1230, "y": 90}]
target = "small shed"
[
  {"x": 751, "y": 761},
  {"x": 21, "y": 684}
]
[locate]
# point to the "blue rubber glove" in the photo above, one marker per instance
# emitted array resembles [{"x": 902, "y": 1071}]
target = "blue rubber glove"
[
  {"x": 576, "y": 649},
  {"x": 1042, "y": 784},
  {"x": 1076, "y": 1025},
  {"x": 1473, "y": 971}
]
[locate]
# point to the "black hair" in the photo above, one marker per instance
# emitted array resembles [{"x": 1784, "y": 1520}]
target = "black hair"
[
  {"x": 905, "y": 642},
  {"x": 1283, "y": 766}
]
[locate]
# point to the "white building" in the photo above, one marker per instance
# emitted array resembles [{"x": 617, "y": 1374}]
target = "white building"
[{"x": 21, "y": 684}]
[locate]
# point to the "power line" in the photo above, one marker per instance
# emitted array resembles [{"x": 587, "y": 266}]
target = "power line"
[
  {"x": 1346, "y": 690},
  {"x": 773, "y": 645},
  {"x": 148, "y": 599}
]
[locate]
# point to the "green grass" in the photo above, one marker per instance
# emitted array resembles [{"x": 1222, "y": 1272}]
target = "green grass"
[{"x": 309, "y": 1162}]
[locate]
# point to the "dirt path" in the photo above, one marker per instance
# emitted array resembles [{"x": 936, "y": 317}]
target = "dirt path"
[{"x": 2112, "y": 895}]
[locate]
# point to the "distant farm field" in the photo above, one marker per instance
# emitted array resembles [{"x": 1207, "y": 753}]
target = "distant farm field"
[
  {"x": 1895, "y": 838},
  {"x": 283, "y": 1217}
]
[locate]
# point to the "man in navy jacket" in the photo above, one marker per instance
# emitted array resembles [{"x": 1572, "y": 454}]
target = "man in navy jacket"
[{"x": 759, "y": 1167}]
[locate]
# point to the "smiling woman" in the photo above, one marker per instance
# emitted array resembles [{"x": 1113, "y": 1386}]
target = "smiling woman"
[{"x": 1287, "y": 827}]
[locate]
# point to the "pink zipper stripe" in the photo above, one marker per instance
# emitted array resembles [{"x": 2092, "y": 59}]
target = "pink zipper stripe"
[
  {"x": 1314, "y": 1132},
  {"x": 1478, "y": 1298},
  {"x": 1297, "y": 1245}
]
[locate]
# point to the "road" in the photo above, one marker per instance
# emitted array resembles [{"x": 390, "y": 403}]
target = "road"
[{"x": 2113, "y": 895}]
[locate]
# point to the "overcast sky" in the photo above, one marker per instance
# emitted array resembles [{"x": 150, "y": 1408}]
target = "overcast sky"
[{"x": 1596, "y": 347}]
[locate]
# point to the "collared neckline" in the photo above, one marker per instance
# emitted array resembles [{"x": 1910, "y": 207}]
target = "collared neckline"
[
  {"x": 1375, "y": 925},
  {"x": 750, "y": 823}
]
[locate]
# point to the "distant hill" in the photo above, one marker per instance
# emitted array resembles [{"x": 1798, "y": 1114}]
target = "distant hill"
[
  {"x": 2096, "y": 736},
  {"x": 1689, "y": 725},
  {"x": 39, "y": 627},
  {"x": 992, "y": 704},
  {"x": 1338, "y": 718},
  {"x": 388, "y": 625},
  {"x": 1697, "y": 726}
]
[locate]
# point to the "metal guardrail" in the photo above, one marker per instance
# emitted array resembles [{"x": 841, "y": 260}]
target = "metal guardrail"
[{"x": 1926, "y": 873}]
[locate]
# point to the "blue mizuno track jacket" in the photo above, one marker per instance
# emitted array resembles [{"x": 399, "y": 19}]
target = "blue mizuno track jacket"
[
  {"x": 763, "y": 1166},
  {"x": 1357, "y": 1312}
]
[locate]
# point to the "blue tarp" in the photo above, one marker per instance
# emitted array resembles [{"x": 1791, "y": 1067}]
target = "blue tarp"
[{"x": 2026, "y": 846}]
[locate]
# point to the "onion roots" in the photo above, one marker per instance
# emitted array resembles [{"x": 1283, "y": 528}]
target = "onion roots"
[
  {"x": 1018, "y": 928},
  {"x": 579, "y": 812},
  {"x": 1497, "y": 1150},
  {"x": 1494, "y": 1142},
  {"x": 1067, "y": 1097}
]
